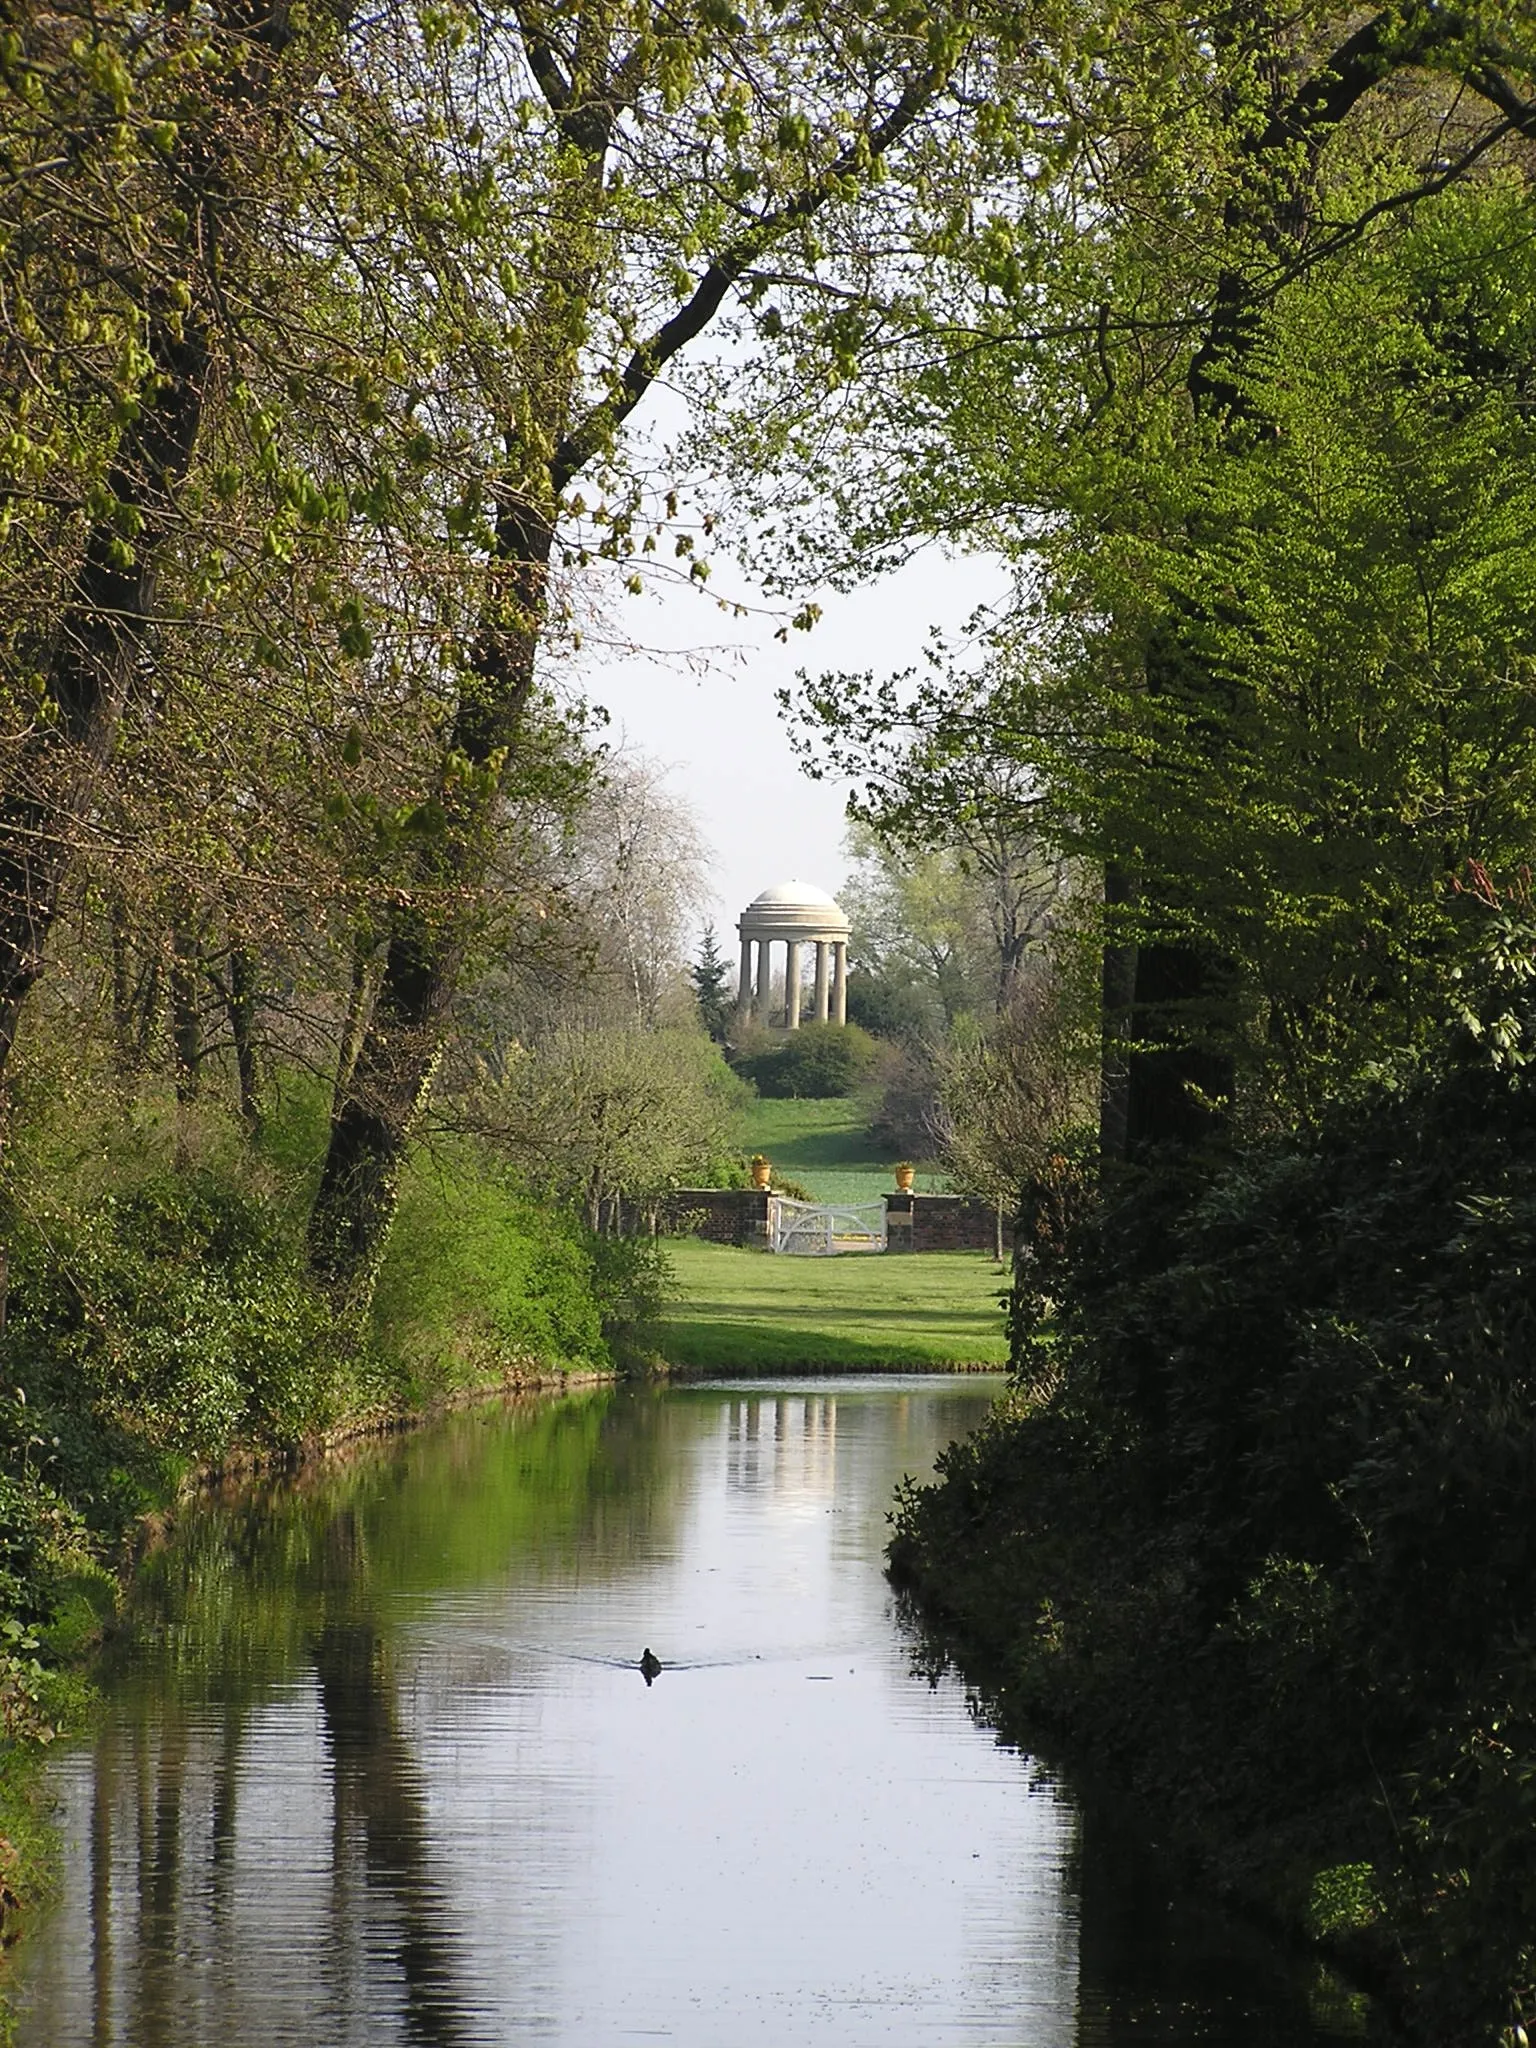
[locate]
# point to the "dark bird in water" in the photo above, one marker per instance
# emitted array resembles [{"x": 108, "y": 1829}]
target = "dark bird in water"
[{"x": 650, "y": 1664}]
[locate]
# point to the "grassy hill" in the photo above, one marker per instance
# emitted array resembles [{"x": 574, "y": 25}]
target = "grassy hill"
[
  {"x": 825, "y": 1144},
  {"x": 746, "y": 1311}
]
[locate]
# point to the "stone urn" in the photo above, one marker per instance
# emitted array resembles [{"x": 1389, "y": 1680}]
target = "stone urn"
[
  {"x": 762, "y": 1171},
  {"x": 904, "y": 1175}
]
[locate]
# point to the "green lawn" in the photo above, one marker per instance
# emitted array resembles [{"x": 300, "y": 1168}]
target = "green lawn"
[
  {"x": 744, "y": 1311},
  {"x": 824, "y": 1144}
]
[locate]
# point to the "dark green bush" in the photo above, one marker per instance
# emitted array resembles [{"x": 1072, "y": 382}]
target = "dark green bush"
[
  {"x": 816, "y": 1061},
  {"x": 1271, "y": 1540},
  {"x": 633, "y": 1282}
]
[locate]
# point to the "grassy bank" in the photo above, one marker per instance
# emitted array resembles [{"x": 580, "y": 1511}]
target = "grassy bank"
[
  {"x": 749, "y": 1311},
  {"x": 824, "y": 1144}
]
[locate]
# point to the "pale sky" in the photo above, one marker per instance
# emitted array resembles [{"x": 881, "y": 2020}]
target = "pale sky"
[{"x": 702, "y": 703}]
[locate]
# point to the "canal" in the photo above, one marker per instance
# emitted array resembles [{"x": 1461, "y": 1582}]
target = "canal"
[{"x": 378, "y": 1766}]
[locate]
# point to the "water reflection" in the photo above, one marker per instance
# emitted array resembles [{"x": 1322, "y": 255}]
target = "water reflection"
[{"x": 380, "y": 1767}]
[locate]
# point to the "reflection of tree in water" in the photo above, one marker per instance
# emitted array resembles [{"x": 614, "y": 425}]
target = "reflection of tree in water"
[
  {"x": 268, "y": 1584},
  {"x": 233, "y": 1604},
  {"x": 377, "y": 1789},
  {"x": 1160, "y": 1966}
]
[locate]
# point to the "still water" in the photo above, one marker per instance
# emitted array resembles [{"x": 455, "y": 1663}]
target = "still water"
[{"x": 379, "y": 1768}]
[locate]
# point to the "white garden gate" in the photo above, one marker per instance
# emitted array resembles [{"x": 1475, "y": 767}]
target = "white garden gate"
[{"x": 817, "y": 1229}]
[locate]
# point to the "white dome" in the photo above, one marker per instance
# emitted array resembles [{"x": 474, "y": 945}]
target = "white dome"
[
  {"x": 794, "y": 908},
  {"x": 801, "y": 895}
]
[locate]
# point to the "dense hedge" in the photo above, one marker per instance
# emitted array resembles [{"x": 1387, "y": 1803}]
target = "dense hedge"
[
  {"x": 1268, "y": 1546},
  {"x": 817, "y": 1061}
]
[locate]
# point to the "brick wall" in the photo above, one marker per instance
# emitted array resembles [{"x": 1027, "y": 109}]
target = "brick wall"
[
  {"x": 942, "y": 1223},
  {"x": 914, "y": 1223},
  {"x": 723, "y": 1215}
]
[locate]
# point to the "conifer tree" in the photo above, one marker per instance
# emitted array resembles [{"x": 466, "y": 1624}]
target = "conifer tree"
[{"x": 708, "y": 975}]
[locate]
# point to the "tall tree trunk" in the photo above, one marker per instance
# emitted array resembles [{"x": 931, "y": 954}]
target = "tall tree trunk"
[
  {"x": 149, "y": 1007},
  {"x": 1177, "y": 1087},
  {"x": 241, "y": 1005},
  {"x": 1118, "y": 1001},
  {"x": 125, "y": 1044},
  {"x": 379, "y": 1103},
  {"x": 186, "y": 1012},
  {"x": 360, "y": 999},
  {"x": 101, "y": 633},
  {"x": 97, "y": 644}
]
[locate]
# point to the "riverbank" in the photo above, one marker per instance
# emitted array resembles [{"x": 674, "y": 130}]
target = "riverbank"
[
  {"x": 163, "y": 1329},
  {"x": 1037, "y": 1570},
  {"x": 735, "y": 1311}
]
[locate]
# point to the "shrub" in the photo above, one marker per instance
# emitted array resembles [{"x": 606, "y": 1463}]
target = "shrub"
[
  {"x": 1279, "y": 1506},
  {"x": 479, "y": 1278},
  {"x": 818, "y": 1060},
  {"x": 633, "y": 1282},
  {"x": 908, "y": 1121},
  {"x": 159, "y": 1326}
]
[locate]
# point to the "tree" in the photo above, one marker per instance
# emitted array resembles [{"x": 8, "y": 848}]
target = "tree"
[
  {"x": 156, "y": 168},
  {"x": 1083, "y": 347},
  {"x": 710, "y": 975},
  {"x": 953, "y": 885},
  {"x": 1013, "y": 1095},
  {"x": 641, "y": 169},
  {"x": 593, "y": 1115},
  {"x": 634, "y": 857}
]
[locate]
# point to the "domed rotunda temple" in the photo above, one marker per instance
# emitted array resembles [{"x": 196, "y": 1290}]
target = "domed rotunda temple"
[{"x": 795, "y": 915}]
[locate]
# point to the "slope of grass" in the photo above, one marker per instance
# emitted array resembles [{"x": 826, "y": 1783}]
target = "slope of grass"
[
  {"x": 745, "y": 1311},
  {"x": 825, "y": 1145}
]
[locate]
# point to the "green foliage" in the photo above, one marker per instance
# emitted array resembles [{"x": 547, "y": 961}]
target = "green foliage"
[
  {"x": 1278, "y": 1505},
  {"x": 952, "y": 889},
  {"x": 159, "y": 1326},
  {"x": 1315, "y": 706},
  {"x": 1343, "y": 1898},
  {"x": 709, "y": 974},
  {"x": 1016, "y": 1093},
  {"x": 818, "y": 1060},
  {"x": 481, "y": 1281},
  {"x": 632, "y": 1280},
  {"x": 590, "y": 1115}
]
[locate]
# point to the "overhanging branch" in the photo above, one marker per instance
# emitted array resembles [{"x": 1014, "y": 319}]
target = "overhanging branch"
[{"x": 691, "y": 318}]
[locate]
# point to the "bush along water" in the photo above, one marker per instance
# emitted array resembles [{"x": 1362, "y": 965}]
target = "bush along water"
[{"x": 1261, "y": 1542}]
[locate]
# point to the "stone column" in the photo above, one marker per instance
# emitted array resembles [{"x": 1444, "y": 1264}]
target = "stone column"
[
  {"x": 840, "y": 981},
  {"x": 744, "y": 980},
  {"x": 821, "y": 981},
  {"x": 764, "y": 954},
  {"x": 792, "y": 984}
]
